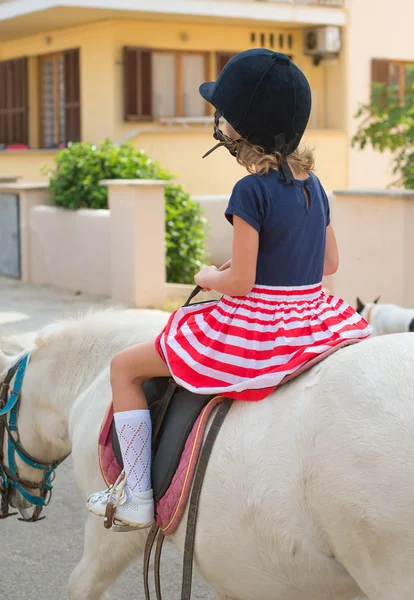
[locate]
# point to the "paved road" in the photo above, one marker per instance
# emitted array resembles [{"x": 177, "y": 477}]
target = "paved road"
[{"x": 37, "y": 559}]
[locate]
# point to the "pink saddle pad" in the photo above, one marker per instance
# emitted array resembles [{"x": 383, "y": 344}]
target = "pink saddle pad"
[{"x": 170, "y": 508}]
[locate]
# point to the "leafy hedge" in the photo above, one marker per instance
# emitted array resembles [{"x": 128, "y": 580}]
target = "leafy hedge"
[{"x": 74, "y": 184}]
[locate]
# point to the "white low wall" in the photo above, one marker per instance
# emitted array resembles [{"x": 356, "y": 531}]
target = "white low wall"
[
  {"x": 121, "y": 252},
  {"x": 219, "y": 232},
  {"x": 374, "y": 231},
  {"x": 71, "y": 249}
]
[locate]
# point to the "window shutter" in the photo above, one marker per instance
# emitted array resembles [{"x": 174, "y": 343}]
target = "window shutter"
[
  {"x": 14, "y": 108},
  {"x": 222, "y": 60},
  {"x": 380, "y": 73},
  {"x": 3, "y": 103},
  {"x": 72, "y": 96},
  {"x": 137, "y": 84}
]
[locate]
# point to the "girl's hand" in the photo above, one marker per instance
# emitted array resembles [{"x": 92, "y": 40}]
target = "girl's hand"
[
  {"x": 202, "y": 275},
  {"x": 224, "y": 267}
]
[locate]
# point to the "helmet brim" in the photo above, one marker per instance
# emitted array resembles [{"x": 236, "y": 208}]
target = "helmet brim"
[{"x": 206, "y": 90}]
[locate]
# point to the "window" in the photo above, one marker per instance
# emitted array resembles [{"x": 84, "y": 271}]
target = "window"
[
  {"x": 194, "y": 73},
  {"x": 163, "y": 84},
  {"x": 60, "y": 98},
  {"x": 14, "y": 106},
  {"x": 399, "y": 74}
]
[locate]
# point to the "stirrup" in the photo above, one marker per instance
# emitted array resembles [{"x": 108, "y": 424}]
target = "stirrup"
[{"x": 112, "y": 503}]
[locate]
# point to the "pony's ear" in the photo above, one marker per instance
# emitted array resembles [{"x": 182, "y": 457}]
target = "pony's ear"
[
  {"x": 359, "y": 305},
  {"x": 377, "y": 300},
  {"x": 3, "y": 361}
]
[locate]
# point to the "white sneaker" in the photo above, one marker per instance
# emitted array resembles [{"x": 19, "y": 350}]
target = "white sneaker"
[{"x": 132, "y": 509}]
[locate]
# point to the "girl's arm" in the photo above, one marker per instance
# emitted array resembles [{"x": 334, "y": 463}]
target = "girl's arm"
[
  {"x": 239, "y": 278},
  {"x": 331, "y": 253},
  {"x": 226, "y": 265}
]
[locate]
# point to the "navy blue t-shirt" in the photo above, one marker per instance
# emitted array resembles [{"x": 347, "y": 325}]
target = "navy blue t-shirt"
[{"x": 292, "y": 233}]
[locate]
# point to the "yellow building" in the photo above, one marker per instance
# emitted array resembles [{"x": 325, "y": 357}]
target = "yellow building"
[{"x": 130, "y": 69}]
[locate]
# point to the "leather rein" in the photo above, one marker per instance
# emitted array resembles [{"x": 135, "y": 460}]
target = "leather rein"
[{"x": 9, "y": 477}]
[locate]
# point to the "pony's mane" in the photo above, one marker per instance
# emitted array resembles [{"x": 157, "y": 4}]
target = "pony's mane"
[
  {"x": 102, "y": 324},
  {"x": 118, "y": 328}
]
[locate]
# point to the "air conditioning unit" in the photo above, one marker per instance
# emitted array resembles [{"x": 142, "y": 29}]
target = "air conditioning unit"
[{"x": 322, "y": 42}]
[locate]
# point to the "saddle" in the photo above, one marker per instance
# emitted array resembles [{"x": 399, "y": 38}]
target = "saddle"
[
  {"x": 171, "y": 425},
  {"x": 179, "y": 419}
]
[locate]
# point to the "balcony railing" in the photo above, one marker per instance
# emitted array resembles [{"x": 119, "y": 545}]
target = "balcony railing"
[{"x": 333, "y": 3}]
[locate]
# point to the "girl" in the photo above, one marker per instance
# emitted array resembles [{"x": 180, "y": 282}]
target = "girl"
[{"x": 273, "y": 316}]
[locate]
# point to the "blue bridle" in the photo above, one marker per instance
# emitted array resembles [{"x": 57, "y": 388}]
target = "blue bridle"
[{"x": 9, "y": 478}]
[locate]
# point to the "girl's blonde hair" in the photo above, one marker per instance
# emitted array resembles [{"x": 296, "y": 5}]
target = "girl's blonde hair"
[{"x": 256, "y": 160}]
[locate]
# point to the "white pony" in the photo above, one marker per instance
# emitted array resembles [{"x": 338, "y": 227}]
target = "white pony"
[
  {"x": 387, "y": 318},
  {"x": 309, "y": 494}
]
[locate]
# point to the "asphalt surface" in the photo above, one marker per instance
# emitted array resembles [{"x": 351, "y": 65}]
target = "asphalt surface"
[{"x": 37, "y": 559}]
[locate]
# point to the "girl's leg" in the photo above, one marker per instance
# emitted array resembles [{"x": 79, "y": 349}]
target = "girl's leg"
[{"x": 129, "y": 370}]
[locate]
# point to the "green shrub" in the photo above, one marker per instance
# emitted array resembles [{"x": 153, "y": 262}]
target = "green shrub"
[
  {"x": 387, "y": 123},
  {"x": 74, "y": 184}
]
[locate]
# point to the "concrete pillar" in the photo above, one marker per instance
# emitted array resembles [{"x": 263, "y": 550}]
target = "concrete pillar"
[
  {"x": 30, "y": 195},
  {"x": 137, "y": 239}
]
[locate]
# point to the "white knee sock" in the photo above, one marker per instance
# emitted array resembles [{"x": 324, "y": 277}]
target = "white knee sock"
[{"x": 134, "y": 431}]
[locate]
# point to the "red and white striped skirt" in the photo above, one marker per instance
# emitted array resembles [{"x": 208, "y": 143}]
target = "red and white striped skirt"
[{"x": 245, "y": 346}]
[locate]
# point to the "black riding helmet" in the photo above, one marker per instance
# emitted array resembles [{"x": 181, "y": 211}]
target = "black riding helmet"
[{"x": 266, "y": 98}]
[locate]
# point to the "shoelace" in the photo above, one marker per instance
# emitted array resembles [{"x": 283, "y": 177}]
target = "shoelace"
[{"x": 111, "y": 491}]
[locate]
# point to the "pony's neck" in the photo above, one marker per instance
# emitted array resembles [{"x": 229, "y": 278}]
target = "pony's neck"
[
  {"x": 63, "y": 365},
  {"x": 51, "y": 386}
]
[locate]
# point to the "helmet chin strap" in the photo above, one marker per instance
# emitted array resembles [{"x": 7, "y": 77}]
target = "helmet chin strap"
[
  {"x": 231, "y": 145},
  {"x": 223, "y": 140},
  {"x": 219, "y": 145}
]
